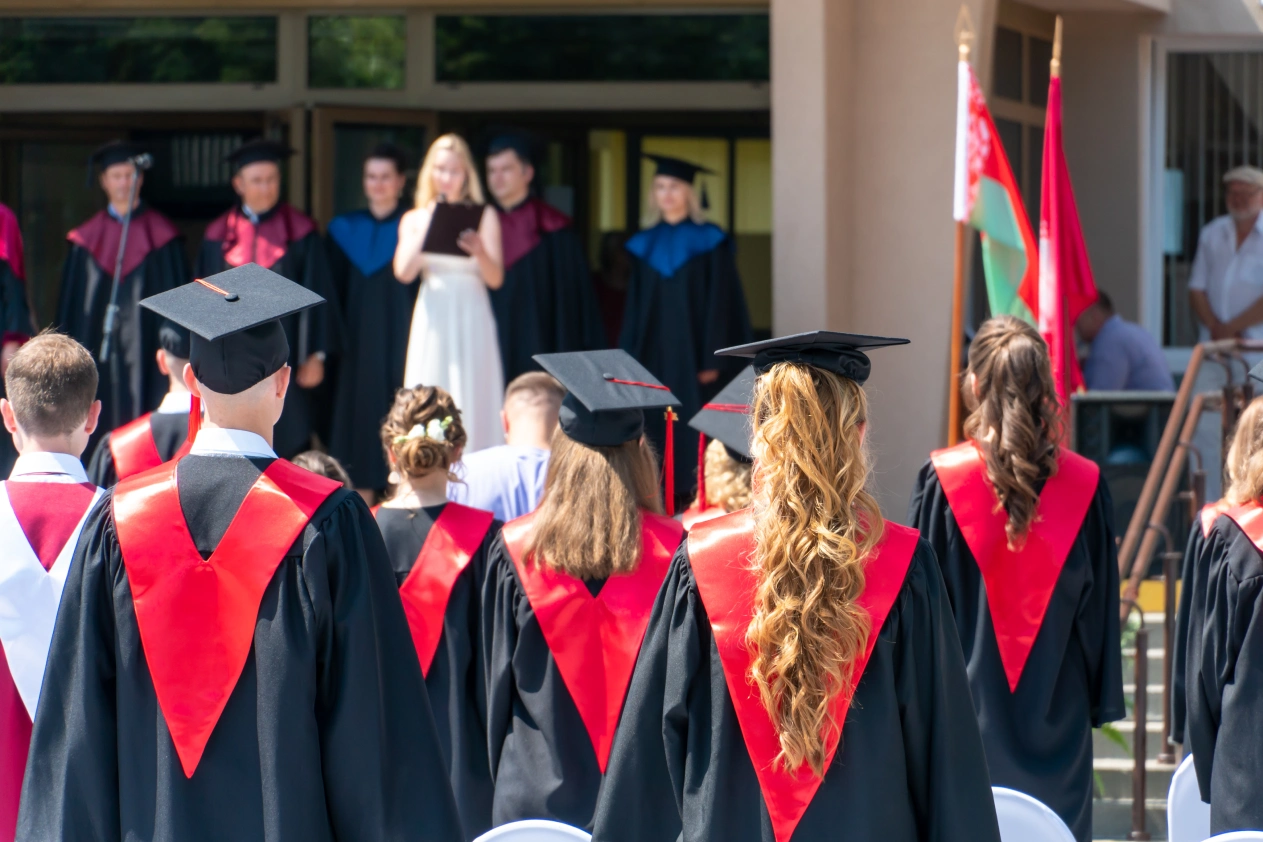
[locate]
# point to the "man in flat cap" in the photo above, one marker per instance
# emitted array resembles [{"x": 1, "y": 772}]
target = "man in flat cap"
[{"x": 1226, "y": 284}]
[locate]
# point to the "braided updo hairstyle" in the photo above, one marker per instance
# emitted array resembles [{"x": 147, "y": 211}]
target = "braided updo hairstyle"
[{"x": 423, "y": 431}]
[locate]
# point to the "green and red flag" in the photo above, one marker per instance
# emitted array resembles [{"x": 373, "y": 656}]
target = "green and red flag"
[{"x": 988, "y": 199}]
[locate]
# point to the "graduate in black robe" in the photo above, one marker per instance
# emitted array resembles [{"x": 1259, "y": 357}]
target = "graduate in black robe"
[
  {"x": 154, "y": 261},
  {"x": 154, "y": 437},
  {"x": 558, "y": 647},
  {"x": 377, "y": 314},
  {"x": 277, "y": 236},
  {"x": 16, "y": 324},
  {"x": 1185, "y": 636},
  {"x": 439, "y": 552},
  {"x": 547, "y": 303},
  {"x": 684, "y": 302},
  {"x": 282, "y": 703},
  {"x": 1040, "y": 623},
  {"x": 695, "y": 757}
]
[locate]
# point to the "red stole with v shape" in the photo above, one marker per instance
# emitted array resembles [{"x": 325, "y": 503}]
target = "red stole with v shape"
[
  {"x": 1249, "y": 518},
  {"x": 1211, "y": 512},
  {"x": 595, "y": 640},
  {"x": 196, "y": 618},
  {"x": 1019, "y": 582},
  {"x": 719, "y": 554},
  {"x": 448, "y": 548}
]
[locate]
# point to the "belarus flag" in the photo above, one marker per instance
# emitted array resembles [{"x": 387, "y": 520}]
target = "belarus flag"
[{"x": 988, "y": 199}]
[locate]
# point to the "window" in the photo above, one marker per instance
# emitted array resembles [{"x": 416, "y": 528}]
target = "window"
[
  {"x": 602, "y": 48},
  {"x": 137, "y": 50},
  {"x": 1214, "y": 123},
  {"x": 356, "y": 52}
]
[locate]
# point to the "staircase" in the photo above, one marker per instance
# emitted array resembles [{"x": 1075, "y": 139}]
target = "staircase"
[{"x": 1111, "y": 811}]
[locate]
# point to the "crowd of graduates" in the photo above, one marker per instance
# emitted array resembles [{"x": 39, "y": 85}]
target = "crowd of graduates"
[{"x": 207, "y": 641}]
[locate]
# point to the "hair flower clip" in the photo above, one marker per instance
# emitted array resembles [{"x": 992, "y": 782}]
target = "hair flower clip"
[{"x": 435, "y": 430}]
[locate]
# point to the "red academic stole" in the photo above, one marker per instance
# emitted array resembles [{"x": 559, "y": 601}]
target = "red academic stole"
[
  {"x": 695, "y": 514},
  {"x": 522, "y": 228},
  {"x": 595, "y": 640},
  {"x": 196, "y": 618},
  {"x": 448, "y": 548},
  {"x": 134, "y": 450},
  {"x": 244, "y": 242},
  {"x": 719, "y": 554},
  {"x": 100, "y": 236},
  {"x": 1019, "y": 582},
  {"x": 1249, "y": 519},
  {"x": 1211, "y": 512}
]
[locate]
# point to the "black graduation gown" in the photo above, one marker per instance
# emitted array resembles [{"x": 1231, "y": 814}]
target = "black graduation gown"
[
  {"x": 287, "y": 242},
  {"x": 169, "y": 431},
  {"x": 155, "y": 261},
  {"x": 15, "y": 313},
  {"x": 1225, "y": 680},
  {"x": 377, "y": 312},
  {"x": 910, "y": 767},
  {"x": 684, "y": 302},
  {"x": 455, "y": 682},
  {"x": 547, "y": 304},
  {"x": 1186, "y": 636},
  {"x": 327, "y": 734},
  {"x": 1039, "y": 738}
]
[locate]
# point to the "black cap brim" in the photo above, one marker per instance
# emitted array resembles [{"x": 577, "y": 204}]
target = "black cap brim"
[
  {"x": 841, "y": 353},
  {"x": 727, "y": 417},
  {"x": 677, "y": 167},
  {"x": 607, "y": 393},
  {"x": 257, "y": 151}
]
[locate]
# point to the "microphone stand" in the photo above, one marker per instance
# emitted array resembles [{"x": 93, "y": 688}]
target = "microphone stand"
[{"x": 108, "y": 354}]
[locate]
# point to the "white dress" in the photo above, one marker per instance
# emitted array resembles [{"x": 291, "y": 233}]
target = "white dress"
[{"x": 453, "y": 344}]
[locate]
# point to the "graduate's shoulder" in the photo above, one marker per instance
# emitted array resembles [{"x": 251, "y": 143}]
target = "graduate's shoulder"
[{"x": 1236, "y": 539}]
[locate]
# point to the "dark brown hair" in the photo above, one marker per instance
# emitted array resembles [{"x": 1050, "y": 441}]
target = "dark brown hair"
[
  {"x": 51, "y": 383},
  {"x": 588, "y": 522},
  {"x": 324, "y": 465},
  {"x": 417, "y": 454},
  {"x": 1013, "y": 416}
]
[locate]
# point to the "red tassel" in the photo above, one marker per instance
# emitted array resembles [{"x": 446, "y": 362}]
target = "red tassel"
[
  {"x": 195, "y": 417},
  {"x": 701, "y": 472},
  {"x": 669, "y": 463}
]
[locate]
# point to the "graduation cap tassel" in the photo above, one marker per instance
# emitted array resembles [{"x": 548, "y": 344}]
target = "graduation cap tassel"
[
  {"x": 701, "y": 472},
  {"x": 668, "y": 461}
]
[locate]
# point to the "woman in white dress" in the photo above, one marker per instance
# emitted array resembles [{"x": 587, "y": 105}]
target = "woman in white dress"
[{"x": 452, "y": 343}]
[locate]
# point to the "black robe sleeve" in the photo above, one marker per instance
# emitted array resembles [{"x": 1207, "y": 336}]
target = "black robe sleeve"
[
  {"x": 15, "y": 311},
  {"x": 1180, "y": 635},
  {"x": 101, "y": 470},
  {"x": 1074, "y": 667},
  {"x": 910, "y": 766},
  {"x": 1224, "y": 727},
  {"x": 326, "y": 736}
]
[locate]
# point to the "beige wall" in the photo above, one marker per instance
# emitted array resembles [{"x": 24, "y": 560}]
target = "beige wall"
[{"x": 863, "y": 123}]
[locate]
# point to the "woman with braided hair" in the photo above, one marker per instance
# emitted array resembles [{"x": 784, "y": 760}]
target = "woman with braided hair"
[
  {"x": 800, "y": 678},
  {"x": 1023, "y": 532}
]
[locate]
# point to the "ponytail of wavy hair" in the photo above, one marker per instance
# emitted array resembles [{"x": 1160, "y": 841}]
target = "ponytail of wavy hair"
[
  {"x": 815, "y": 524},
  {"x": 1013, "y": 416}
]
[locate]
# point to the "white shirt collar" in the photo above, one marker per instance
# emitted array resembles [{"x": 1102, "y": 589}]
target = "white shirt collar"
[
  {"x": 217, "y": 441},
  {"x": 175, "y": 403},
  {"x": 48, "y": 467}
]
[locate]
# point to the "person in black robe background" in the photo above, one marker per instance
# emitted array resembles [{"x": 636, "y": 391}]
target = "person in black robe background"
[
  {"x": 16, "y": 322},
  {"x": 203, "y": 714},
  {"x": 557, "y": 663},
  {"x": 439, "y": 552},
  {"x": 547, "y": 303},
  {"x": 684, "y": 302},
  {"x": 1040, "y": 624},
  {"x": 166, "y": 428},
  {"x": 377, "y": 313},
  {"x": 277, "y": 236},
  {"x": 154, "y": 261},
  {"x": 909, "y": 764}
]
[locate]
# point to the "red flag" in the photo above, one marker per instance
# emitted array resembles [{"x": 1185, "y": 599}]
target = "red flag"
[{"x": 1065, "y": 286}]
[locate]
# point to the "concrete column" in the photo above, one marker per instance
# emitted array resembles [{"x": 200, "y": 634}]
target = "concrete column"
[{"x": 863, "y": 121}]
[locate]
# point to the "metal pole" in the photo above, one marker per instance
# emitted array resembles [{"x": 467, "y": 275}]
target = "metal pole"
[
  {"x": 1140, "y": 718},
  {"x": 1169, "y": 558},
  {"x": 111, "y": 312}
]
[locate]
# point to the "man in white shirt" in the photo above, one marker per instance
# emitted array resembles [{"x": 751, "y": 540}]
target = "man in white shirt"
[{"x": 1226, "y": 283}]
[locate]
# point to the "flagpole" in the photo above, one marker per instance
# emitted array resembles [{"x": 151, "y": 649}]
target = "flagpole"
[{"x": 963, "y": 37}]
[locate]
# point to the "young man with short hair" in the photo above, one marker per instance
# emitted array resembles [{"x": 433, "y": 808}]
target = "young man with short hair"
[{"x": 50, "y": 411}]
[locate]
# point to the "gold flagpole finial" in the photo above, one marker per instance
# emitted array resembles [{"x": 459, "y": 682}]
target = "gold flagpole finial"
[
  {"x": 964, "y": 32},
  {"x": 1054, "y": 66}
]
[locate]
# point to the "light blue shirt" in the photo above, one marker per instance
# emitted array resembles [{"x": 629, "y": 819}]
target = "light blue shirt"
[
  {"x": 507, "y": 480},
  {"x": 1126, "y": 357}
]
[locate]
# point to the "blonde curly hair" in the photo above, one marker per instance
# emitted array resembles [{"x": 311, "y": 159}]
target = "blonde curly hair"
[
  {"x": 727, "y": 479},
  {"x": 1245, "y": 456},
  {"x": 815, "y": 524}
]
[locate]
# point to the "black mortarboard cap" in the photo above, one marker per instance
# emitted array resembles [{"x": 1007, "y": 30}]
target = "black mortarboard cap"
[
  {"x": 727, "y": 416},
  {"x": 234, "y": 317},
  {"x": 254, "y": 151},
  {"x": 841, "y": 353},
  {"x": 174, "y": 339},
  {"x": 677, "y": 167},
  {"x": 523, "y": 144},
  {"x": 607, "y": 392},
  {"x": 109, "y": 154}
]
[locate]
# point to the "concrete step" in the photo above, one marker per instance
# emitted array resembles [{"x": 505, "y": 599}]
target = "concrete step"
[
  {"x": 1111, "y": 818},
  {"x": 1155, "y": 666},
  {"x": 1114, "y": 777},
  {"x": 1103, "y": 747},
  {"x": 1153, "y": 699}
]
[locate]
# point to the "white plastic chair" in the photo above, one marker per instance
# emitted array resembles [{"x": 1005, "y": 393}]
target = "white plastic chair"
[
  {"x": 1188, "y": 817},
  {"x": 535, "y": 830},
  {"x": 1026, "y": 819},
  {"x": 1238, "y": 836}
]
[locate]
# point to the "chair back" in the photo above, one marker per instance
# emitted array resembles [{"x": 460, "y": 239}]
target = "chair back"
[
  {"x": 1188, "y": 817},
  {"x": 535, "y": 830},
  {"x": 1026, "y": 819}
]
